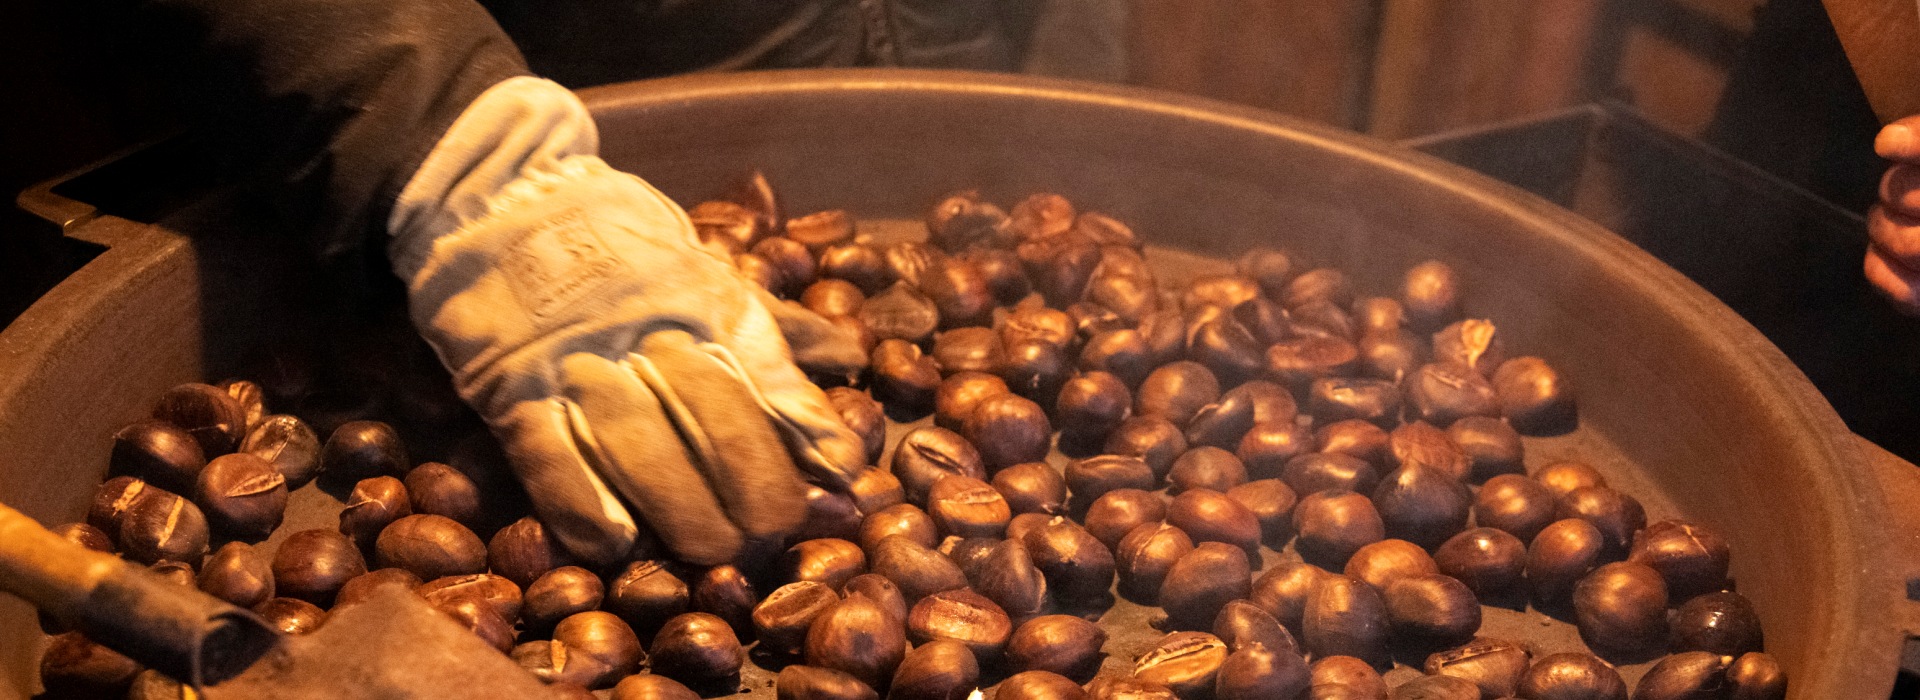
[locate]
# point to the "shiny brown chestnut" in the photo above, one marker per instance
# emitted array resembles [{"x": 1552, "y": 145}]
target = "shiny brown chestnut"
[
  {"x": 900, "y": 312},
  {"x": 1206, "y": 467},
  {"x": 1560, "y": 556},
  {"x": 312, "y": 565},
  {"x": 1617, "y": 515},
  {"x": 1029, "y": 322},
  {"x": 1154, "y": 440},
  {"x": 797, "y": 682},
  {"x": 970, "y": 349},
  {"x": 1127, "y": 688},
  {"x": 1038, "y": 685},
  {"x": 1334, "y": 524},
  {"x": 856, "y": 262},
  {"x": 1089, "y": 407},
  {"x": 695, "y": 648},
  {"x": 1393, "y": 354},
  {"x": 829, "y": 561},
  {"x": 503, "y": 596},
  {"x": 1314, "y": 472},
  {"x": 430, "y": 546},
  {"x": 1692, "y": 558},
  {"x": 960, "y": 393},
  {"x": 962, "y": 220},
  {"x": 761, "y": 272},
  {"x": 86, "y": 536},
  {"x": 1202, "y": 582},
  {"x": 479, "y": 619},
  {"x": 1037, "y": 370},
  {"x": 208, "y": 413},
  {"x": 559, "y": 594},
  {"x": 1271, "y": 501},
  {"x": 1341, "y": 398},
  {"x": 1060, "y": 644},
  {"x": 524, "y": 550},
  {"x": 1430, "y": 292},
  {"x": 857, "y": 637},
  {"x": 1562, "y": 478},
  {"x": 363, "y": 449},
  {"x": 1684, "y": 676},
  {"x": 724, "y": 592},
  {"x": 1225, "y": 422},
  {"x": 1145, "y": 555},
  {"x": 159, "y": 452},
  {"x": 1123, "y": 353},
  {"x": 829, "y": 514},
  {"x": 75, "y": 666},
  {"x": 1177, "y": 391},
  {"x": 1322, "y": 318},
  {"x": 111, "y": 500},
  {"x": 1267, "y": 267},
  {"x": 1188, "y": 663},
  {"x": 821, "y": 229},
  {"x": 1227, "y": 348},
  {"x": 1089, "y": 479},
  {"x": 902, "y": 520},
  {"x": 1422, "y": 505},
  {"x": 881, "y": 591},
  {"x": 1008, "y": 577},
  {"x": 1534, "y": 397},
  {"x": 647, "y": 686},
  {"x": 1060, "y": 266},
  {"x": 239, "y": 574},
  {"x": 374, "y": 504},
  {"x": 1354, "y": 677},
  {"x": 1119, "y": 511},
  {"x": 291, "y": 615},
  {"x": 1077, "y": 567},
  {"x": 1258, "y": 672},
  {"x": 833, "y": 297},
  {"x": 1756, "y": 676},
  {"x": 1355, "y": 438},
  {"x": 937, "y": 670},
  {"x": 606, "y": 640},
  {"x": 1494, "y": 666},
  {"x": 723, "y": 223},
  {"x": 1242, "y": 624},
  {"x": 1033, "y": 487},
  {"x": 1572, "y": 676},
  {"x": 1345, "y": 617},
  {"x": 780, "y": 622},
  {"x": 1493, "y": 448},
  {"x": 1621, "y": 606},
  {"x": 1318, "y": 284},
  {"x": 1211, "y": 516},
  {"x": 967, "y": 507},
  {"x": 1009, "y": 429},
  {"x": 360, "y": 588},
  {"x": 1489, "y": 561},
  {"x": 1268, "y": 446},
  {"x": 645, "y": 595},
  {"x": 926, "y": 454},
  {"x": 1372, "y": 314},
  {"x": 1296, "y": 362},
  {"x": 160, "y": 526},
  {"x": 1381, "y": 563},
  {"x": 876, "y": 489},
  {"x": 1432, "y": 608},
  {"x": 791, "y": 259},
  {"x": 1222, "y": 291},
  {"x": 1419, "y": 442},
  {"x": 1265, "y": 320},
  {"x": 243, "y": 496},
  {"x": 1443, "y": 392},
  {"x": 1006, "y": 278},
  {"x": 907, "y": 261},
  {"x": 434, "y": 488},
  {"x": 916, "y": 569},
  {"x": 1516, "y": 504},
  {"x": 903, "y": 377},
  {"x": 962, "y": 616},
  {"x": 1723, "y": 623},
  {"x": 959, "y": 291},
  {"x": 1475, "y": 343}
]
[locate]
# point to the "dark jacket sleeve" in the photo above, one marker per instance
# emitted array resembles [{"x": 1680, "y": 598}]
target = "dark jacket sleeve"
[{"x": 329, "y": 106}]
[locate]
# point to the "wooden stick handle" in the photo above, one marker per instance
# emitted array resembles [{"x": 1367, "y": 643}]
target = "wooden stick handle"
[{"x": 177, "y": 630}]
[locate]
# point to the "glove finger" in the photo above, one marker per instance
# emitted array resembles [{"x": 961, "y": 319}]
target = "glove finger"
[
  {"x": 733, "y": 438},
  {"x": 626, "y": 434},
  {"x": 827, "y": 448},
  {"x": 572, "y": 502},
  {"x": 817, "y": 345}
]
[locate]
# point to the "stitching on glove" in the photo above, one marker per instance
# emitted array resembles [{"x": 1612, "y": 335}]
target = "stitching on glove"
[
  {"x": 799, "y": 442},
  {"x": 682, "y": 418}
]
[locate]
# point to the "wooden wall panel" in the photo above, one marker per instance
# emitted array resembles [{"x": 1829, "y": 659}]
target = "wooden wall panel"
[
  {"x": 1445, "y": 64},
  {"x": 1303, "y": 57}
]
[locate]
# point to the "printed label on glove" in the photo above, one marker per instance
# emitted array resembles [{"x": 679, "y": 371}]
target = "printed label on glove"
[{"x": 558, "y": 263}]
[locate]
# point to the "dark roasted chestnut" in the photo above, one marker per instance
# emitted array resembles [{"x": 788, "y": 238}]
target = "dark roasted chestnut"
[
  {"x": 881, "y": 591},
  {"x": 1271, "y": 501},
  {"x": 291, "y": 615},
  {"x": 1494, "y": 666},
  {"x": 967, "y": 507},
  {"x": 903, "y": 377},
  {"x": 1089, "y": 407},
  {"x": 239, "y": 574},
  {"x": 916, "y": 569},
  {"x": 1560, "y": 555},
  {"x": 960, "y": 393},
  {"x": 1211, "y": 516},
  {"x": 480, "y": 619},
  {"x": 1431, "y": 294},
  {"x": 1089, "y": 479},
  {"x": 1060, "y": 266},
  {"x": 374, "y": 504},
  {"x": 1123, "y": 353},
  {"x": 1617, "y": 515},
  {"x": 1693, "y": 559},
  {"x": 523, "y": 551},
  {"x": 1005, "y": 276},
  {"x": 937, "y": 670},
  {"x": 877, "y": 489},
  {"x": 791, "y": 259},
  {"x": 1176, "y": 392},
  {"x": 1185, "y": 662},
  {"x": 1534, "y": 397},
  {"x": 1318, "y": 284},
  {"x": 1432, "y": 608},
  {"x": 723, "y": 223},
  {"x": 1345, "y": 617},
  {"x": 781, "y": 621},
  {"x": 1009, "y": 429},
  {"x": 1267, "y": 267},
  {"x": 1756, "y": 676},
  {"x": 1009, "y": 578},
  {"x": 1572, "y": 676},
  {"x": 1119, "y": 511},
  {"x": 724, "y": 592},
  {"x": 1489, "y": 561},
  {"x": 797, "y": 682},
  {"x": 1256, "y": 672},
  {"x": 1333, "y": 525},
  {"x": 559, "y": 594},
  {"x": 1154, "y": 440},
  {"x": 159, "y": 452},
  {"x": 604, "y": 639},
  {"x": 1060, "y": 644},
  {"x": 1295, "y": 363},
  {"x": 1040, "y": 215},
  {"x": 1202, "y": 582},
  {"x": 829, "y": 514},
  {"x": 1145, "y": 555},
  {"x": 1033, "y": 487},
  {"x": 1475, "y": 343},
  {"x": 695, "y": 648},
  {"x": 1225, "y": 423},
  {"x": 1621, "y": 606},
  {"x": 928, "y": 453},
  {"x": 962, "y": 616},
  {"x": 86, "y": 536},
  {"x": 903, "y": 520},
  {"x": 1723, "y": 623},
  {"x": 1372, "y": 314},
  {"x": 1221, "y": 291},
  {"x": 959, "y": 290},
  {"x": 1422, "y": 505},
  {"x": 1381, "y": 563},
  {"x": 900, "y": 312},
  {"x": 1392, "y": 354},
  {"x": 208, "y": 413},
  {"x": 761, "y": 272},
  {"x": 1268, "y": 446},
  {"x": 359, "y": 588},
  {"x": 111, "y": 500},
  {"x": 1350, "y": 677},
  {"x": 1029, "y": 322},
  {"x": 908, "y": 261},
  {"x": 1206, "y": 467},
  {"x": 970, "y": 349},
  {"x": 833, "y": 297},
  {"x": 1516, "y": 504},
  {"x": 857, "y": 263},
  {"x": 312, "y": 565},
  {"x": 1684, "y": 676},
  {"x": 1321, "y": 318},
  {"x": 1077, "y": 567},
  {"x": 1355, "y": 438},
  {"x": 1227, "y": 348},
  {"x": 1420, "y": 443},
  {"x": 1127, "y": 688},
  {"x": 431, "y": 547},
  {"x": 1562, "y": 478},
  {"x": 363, "y": 449},
  {"x": 75, "y": 666},
  {"x": 1265, "y": 320},
  {"x": 829, "y": 561},
  {"x": 857, "y": 637},
  {"x": 821, "y": 229},
  {"x": 1492, "y": 447},
  {"x": 1242, "y": 624},
  {"x": 1165, "y": 335},
  {"x": 1340, "y": 398},
  {"x": 437, "y": 489},
  {"x": 647, "y": 686},
  {"x": 1314, "y": 472},
  {"x": 961, "y": 220},
  {"x": 242, "y": 495},
  {"x": 1443, "y": 392},
  {"x": 162, "y": 526},
  {"x": 1036, "y": 370}
]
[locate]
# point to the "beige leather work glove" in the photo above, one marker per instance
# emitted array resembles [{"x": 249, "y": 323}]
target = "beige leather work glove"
[{"x": 630, "y": 374}]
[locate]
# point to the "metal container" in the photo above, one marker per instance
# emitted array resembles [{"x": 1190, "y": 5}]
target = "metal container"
[{"x": 1682, "y": 403}]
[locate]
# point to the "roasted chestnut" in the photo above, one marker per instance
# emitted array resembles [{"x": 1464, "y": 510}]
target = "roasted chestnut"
[
  {"x": 875, "y": 490},
  {"x": 1227, "y": 348},
  {"x": 1154, "y": 440},
  {"x": 1321, "y": 318},
  {"x": 1691, "y": 558},
  {"x": 928, "y": 453},
  {"x": 480, "y": 619},
  {"x": 900, "y": 312},
  {"x": 1009, "y": 429},
  {"x": 797, "y": 682},
  {"x": 1257, "y": 671},
  {"x": 1562, "y": 478},
  {"x": 1090, "y": 406},
  {"x": 159, "y": 452},
  {"x": 1202, "y": 582},
  {"x": 1345, "y": 617},
  {"x": 1295, "y": 363},
  {"x": 781, "y": 621},
  {"x": 1038, "y": 685},
  {"x": 960, "y": 393},
  {"x": 695, "y": 648},
  {"x": 363, "y": 449},
  {"x": 1350, "y": 677},
  {"x": 431, "y": 547},
  {"x": 312, "y": 565},
  {"x": 761, "y": 272},
  {"x": 1432, "y": 608},
  {"x": 1536, "y": 399},
  {"x": 1089, "y": 479},
  {"x": 967, "y": 507},
  {"x": 1422, "y": 505},
  {"x": 1431, "y": 295},
  {"x": 604, "y": 639},
  {"x": 857, "y": 637},
  {"x": 1443, "y": 392},
  {"x": 1036, "y": 370},
  {"x": 1033, "y": 487},
  {"x": 291, "y": 615},
  {"x": 970, "y": 349},
  {"x": 1314, "y": 472},
  {"x": 937, "y": 670},
  {"x": 1392, "y": 354},
  {"x": 1489, "y": 561},
  {"x": 1355, "y": 438},
  {"x": 1242, "y": 624},
  {"x": 1123, "y": 353},
  {"x": 359, "y": 588},
  {"x": 1119, "y": 511},
  {"x": 1176, "y": 392},
  {"x": 1341, "y": 398},
  {"x": 1267, "y": 267},
  {"x": 208, "y": 413},
  {"x": 1560, "y": 555},
  {"x": 881, "y": 591},
  {"x": 855, "y": 262},
  {"x": 961, "y": 616},
  {"x": 1617, "y": 515},
  {"x": 829, "y": 561},
  {"x": 1381, "y": 563},
  {"x": 111, "y": 500},
  {"x": 1475, "y": 343},
  {"x": 1127, "y": 688},
  {"x": 1206, "y": 467},
  {"x": 959, "y": 290},
  {"x": 1318, "y": 284},
  {"x": 1078, "y": 568},
  {"x": 791, "y": 258},
  {"x": 1061, "y": 644},
  {"x": 829, "y": 514},
  {"x": 833, "y": 297},
  {"x": 239, "y": 574},
  {"x": 1008, "y": 577},
  {"x": 1621, "y": 606},
  {"x": 1185, "y": 662},
  {"x": 1029, "y": 322},
  {"x": 1683, "y": 676},
  {"x": 1271, "y": 502},
  {"x": 1494, "y": 666},
  {"x": 523, "y": 551},
  {"x": 559, "y": 594},
  {"x": 75, "y": 666},
  {"x": 821, "y": 229},
  {"x": 175, "y": 572},
  {"x": 161, "y": 526},
  {"x": 1756, "y": 676},
  {"x": 1420, "y": 443},
  {"x": 1492, "y": 447},
  {"x": 1211, "y": 516},
  {"x": 724, "y": 223},
  {"x": 1268, "y": 446},
  {"x": 86, "y": 536},
  {"x": 374, "y": 504},
  {"x": 904, "y": 378},
  {"x": 1723, "y": 623},
  {"x": 646, "y": 595},
  {"x": 1572, "y": 676},
  {"x": 916, "y": 569},
  {"x": 724, "y": 592},
  {"x": 1145, "y": 555},
  {"x": 1333, "y": 525},
  {"x": 242, "y": 495},
  {"x": 902, "y": 520},
  {"x": 646, "y": 686},
  {"x": 1223, "y": 423},
  {"x": 1516, "y": 504}
]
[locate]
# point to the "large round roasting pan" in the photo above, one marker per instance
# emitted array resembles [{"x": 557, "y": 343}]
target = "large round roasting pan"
[{"x": 1682, "y": 402}]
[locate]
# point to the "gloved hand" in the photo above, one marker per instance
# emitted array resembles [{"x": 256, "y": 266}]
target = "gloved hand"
[
  {"x": 629, "y": 373},
  {"x": 1893, "y": 225}
]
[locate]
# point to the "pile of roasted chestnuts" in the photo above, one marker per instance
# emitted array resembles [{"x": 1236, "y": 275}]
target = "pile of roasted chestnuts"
[{"x": 1310, "y": 483}]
